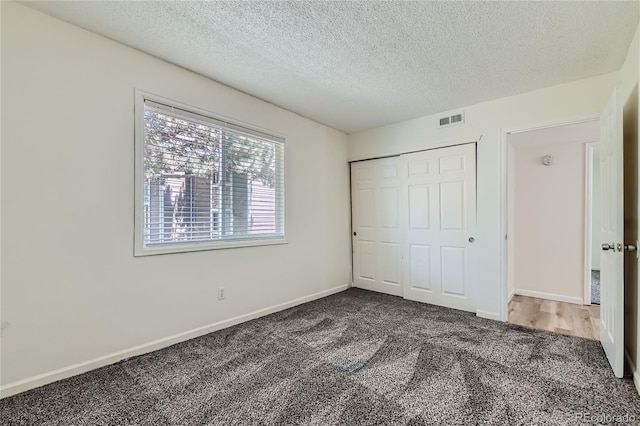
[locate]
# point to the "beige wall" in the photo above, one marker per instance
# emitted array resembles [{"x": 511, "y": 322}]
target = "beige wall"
[
  {"x": 72, "y": 292},
  {"x": 549, "y": 217}
]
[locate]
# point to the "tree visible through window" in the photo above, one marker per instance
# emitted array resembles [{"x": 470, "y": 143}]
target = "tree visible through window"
[{"x": 207, "y": 180}]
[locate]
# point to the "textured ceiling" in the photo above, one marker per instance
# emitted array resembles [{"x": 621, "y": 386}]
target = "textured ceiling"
[{"x": 361, "y": 64}]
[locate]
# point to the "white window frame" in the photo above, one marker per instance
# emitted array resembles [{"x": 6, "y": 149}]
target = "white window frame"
[{"x": 139, "y": 191}]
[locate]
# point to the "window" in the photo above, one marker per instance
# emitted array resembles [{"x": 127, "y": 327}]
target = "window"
[{"x": 203, "y": 182}]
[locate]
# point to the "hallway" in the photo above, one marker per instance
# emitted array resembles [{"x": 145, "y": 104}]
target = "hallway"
[{"x": 559, "y": 317}]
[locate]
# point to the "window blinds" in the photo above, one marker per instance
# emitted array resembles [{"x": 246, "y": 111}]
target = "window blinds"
[{"x": 206, "y": 179}]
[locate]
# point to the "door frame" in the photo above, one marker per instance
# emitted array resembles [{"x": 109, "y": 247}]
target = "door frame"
[
  {"x": 504, "y": 210},
  {"x": 590, "y": 147}
]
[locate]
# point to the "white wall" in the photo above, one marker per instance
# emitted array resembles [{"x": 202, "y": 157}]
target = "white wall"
[
  {"x": 549, "y": 212},
  {"x": 596, "y": 212},
  {"x": 559, "y": 103},
  {"x": 72, "y": 292}
]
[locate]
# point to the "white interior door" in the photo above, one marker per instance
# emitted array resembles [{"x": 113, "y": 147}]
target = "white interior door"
[
  {"x": 440, "y": 195},
  {"x": 612, "y": 232},
  {"x": 375, "y": 194}
]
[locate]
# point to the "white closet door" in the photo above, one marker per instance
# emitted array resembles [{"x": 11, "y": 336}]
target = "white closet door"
[
  {"x": 440, "y": 194},
  {"x": 375, "y": 188}
]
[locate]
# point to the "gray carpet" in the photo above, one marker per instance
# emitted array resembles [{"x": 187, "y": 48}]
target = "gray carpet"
[
  {"x": 354, "y": 358},
  {"x": 595, "y": 287}
]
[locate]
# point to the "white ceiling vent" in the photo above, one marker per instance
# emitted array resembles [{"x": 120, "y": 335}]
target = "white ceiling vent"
[{"x": 452, "y": 119}]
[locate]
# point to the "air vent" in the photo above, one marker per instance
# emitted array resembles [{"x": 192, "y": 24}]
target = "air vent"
[{"x": 452, "y": 119}]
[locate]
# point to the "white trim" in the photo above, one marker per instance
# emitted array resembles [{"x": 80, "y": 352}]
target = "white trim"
[
  {"x": 549, "y": 296},
  {"x": 504, "y": 227},
  {"x": 488, "y": 315},
  {"x": 418, "y": 148},
  {"x": 634, "y": 372},
  {"x": 504, "y": 159},
  {"x": 510, "y": 297},
  {"x": 83, "y": 367},
  {"x": 588, "y": 218},
  {"x": 186, "y": 247},
  {"x": 138, "y": 171},
  {"x": 585, "y": 118}
]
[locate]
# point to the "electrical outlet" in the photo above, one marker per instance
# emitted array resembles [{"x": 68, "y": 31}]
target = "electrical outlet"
[{"x": 221, "y": 293}]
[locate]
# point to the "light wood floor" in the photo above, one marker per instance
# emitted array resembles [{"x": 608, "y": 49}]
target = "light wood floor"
[{"x": 559, "y": 317}]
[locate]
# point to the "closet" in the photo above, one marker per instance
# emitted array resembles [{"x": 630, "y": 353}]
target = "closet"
[{"x": 414, "y": 225}]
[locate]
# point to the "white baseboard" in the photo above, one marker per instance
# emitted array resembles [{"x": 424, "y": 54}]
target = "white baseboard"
[
  {"x": 549, "y": 296},
  {"x": 83, "y": 367},
  {"x": 513, "y": 293},
  {"x": 488, "y": 315},
  {"x": 634, "y": 371}
]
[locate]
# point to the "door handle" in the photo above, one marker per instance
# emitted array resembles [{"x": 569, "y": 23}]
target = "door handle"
[
  {"x": 606, "y": 247},
  {"x": 355, "y": 233},
  {"x": 631, "y": 247}
]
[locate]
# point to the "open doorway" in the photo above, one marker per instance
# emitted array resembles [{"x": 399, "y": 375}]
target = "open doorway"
[
  {"x": 594, "y": 202},
  {"x": 550, "y": 221}
]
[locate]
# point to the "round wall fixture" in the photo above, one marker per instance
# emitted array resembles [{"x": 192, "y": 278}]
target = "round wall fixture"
[{"x": 547, "y": 160}]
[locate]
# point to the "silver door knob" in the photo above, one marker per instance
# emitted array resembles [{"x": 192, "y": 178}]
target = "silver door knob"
[
  {"x": 606, "y": 247},
  {"x": 630, "y": 247},
  {"x": 471, "y": 239}
]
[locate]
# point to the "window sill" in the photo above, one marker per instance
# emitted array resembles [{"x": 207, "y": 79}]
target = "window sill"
[{"x": 175, "y": 248}]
